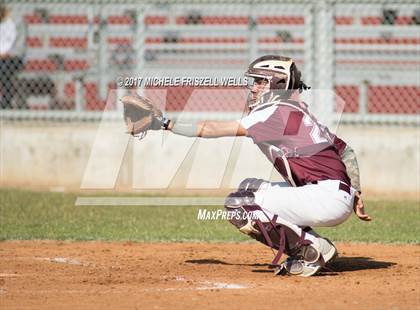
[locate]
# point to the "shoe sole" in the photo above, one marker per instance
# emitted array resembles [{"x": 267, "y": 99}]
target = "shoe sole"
[
  {"x": 313, "y": 269},
  {"x": 332, "y": 254},
  {"x": 309, "y": 271},
  {"x": 298, "y": 269}
]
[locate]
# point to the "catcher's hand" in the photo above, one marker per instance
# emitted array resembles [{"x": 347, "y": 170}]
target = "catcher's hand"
[
  {"x": 140, "y": 115},
  {"x": 359, "y": 208}
]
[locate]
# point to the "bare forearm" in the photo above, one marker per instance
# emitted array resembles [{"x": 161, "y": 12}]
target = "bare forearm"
[{"x": 349, "y": 158}]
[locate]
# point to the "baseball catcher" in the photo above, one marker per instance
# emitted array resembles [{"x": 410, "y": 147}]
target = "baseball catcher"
[{"x": 320, "y": 169}]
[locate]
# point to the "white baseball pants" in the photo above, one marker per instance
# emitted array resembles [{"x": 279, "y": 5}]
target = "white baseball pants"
[{"x": 315, "y": 205}]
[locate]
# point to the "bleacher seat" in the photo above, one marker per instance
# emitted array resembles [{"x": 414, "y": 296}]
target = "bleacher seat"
[
  {"x": 34, "y": 42},
  {"x": 75, "y": 64},
  {"x": 344, "y": 20},
  {"x": 120, "y": 41},
  {"x": 211, "y": 40},
  {"x": 281, "y": 20},
  {"x": 68, "y": 42},
  {"x": 378, "y": 20},
  {"x": 280, "y": 40},
  {"x": 68, "y": 19},
  {"x": 70, "y": 89},
  {"x": 155, "y": 20},
  {"x": 40, "y": 65},
  {"x": 377, "y": 40},
  {"x": 216, "y": 20},
  {"x": 350, "y": 95},
  {"x": 33, "y": 19},
  {"x": 381, "y": 99},
  {"x": 120, "y": 20},
  {"x": 394, "y": 99},
  {"x": 192, "y": 99}
]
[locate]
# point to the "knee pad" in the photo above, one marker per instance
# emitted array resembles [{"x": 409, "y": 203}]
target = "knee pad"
[
  {"x": 251, "y": 184},
  {"x": 240, "y": 205}
]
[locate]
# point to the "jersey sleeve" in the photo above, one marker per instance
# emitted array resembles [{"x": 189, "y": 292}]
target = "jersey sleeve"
[
  {"x": 340, "y": 145},
  {"x": 264, "y": 125}
]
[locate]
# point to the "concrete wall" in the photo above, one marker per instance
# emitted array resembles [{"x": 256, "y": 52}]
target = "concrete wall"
[{"x": 69, "y": 156}]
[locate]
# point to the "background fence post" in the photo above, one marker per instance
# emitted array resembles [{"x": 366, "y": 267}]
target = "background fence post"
[{"x": 324, "y": 58}]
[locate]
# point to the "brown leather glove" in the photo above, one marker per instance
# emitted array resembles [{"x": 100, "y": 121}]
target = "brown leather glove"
[{"x": 141, "y": 115}]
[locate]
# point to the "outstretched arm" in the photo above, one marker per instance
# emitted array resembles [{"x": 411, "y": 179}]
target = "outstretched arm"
[
  {"x": 207, "y": 129},
  {"x": 141, "y": 115}
]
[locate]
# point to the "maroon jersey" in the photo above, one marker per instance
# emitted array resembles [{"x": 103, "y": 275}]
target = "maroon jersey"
[{"x": 300, "y": 148}]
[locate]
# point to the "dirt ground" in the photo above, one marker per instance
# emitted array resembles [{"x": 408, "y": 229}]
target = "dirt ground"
[{"x": 100, "y": 275}]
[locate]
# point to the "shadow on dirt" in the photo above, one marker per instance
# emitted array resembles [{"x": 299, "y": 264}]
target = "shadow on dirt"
[
  {"x": 341, "y": 264},
  {"x": 220, "y": 262}
]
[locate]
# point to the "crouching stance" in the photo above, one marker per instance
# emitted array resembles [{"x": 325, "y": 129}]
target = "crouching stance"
[
  {"x": 321, "y": 173},
  {"x": 307, "y": 253}
]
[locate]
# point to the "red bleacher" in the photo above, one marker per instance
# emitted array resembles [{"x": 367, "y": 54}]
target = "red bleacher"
[
  {"x": 155, "y": 20},
  {"x": 212, "y": 40},
  {"x": 33, "y": 19},
  {"x": 189, "y": 99},
  {"x": 350, "y": 95},
  {"x": 344, "y": 20},
  {"x": 280, "y": 40},
  {"x": 281, "y": 20},
  {"x": 216, "y": 20},
  {"x": 83, "y": 19},
  {"x": 70, "y": 90},
  {"x": 394, "y": 99},
  {"x": 154, "y": 40},
  {"x": 68, "y": 42},
  {"x": 206, "y": 20},
  {"x": 404, "y": 20},
  {"x": 120, "y": 20},
  {"x": 120, "y": 40},
  {"x": 412, "y": 40},
  {"x": 75, "y": 64},
  {"x": 34, "y": 65},
  {"x": 91, "y": 95},
  {"x": 68, "y": 19},
  {"x": 377, "y": 20},
  {"x": 34, "y": 42},
  {"x": 40, "y": 65},
  {"x": 381, "y": 99}
]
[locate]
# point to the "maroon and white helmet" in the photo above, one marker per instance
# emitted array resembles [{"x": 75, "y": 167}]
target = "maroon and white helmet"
[{"x": 281, "y": 73}]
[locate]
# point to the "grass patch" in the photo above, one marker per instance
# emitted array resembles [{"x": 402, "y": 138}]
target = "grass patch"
[{"x": 35, "y": 215}]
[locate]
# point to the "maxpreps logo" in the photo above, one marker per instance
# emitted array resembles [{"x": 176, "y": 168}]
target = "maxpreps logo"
[{"x": 214, "y": 215}]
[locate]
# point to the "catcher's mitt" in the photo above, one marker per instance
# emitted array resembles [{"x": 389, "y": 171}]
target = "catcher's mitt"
[{"x": 140, "y": 115}]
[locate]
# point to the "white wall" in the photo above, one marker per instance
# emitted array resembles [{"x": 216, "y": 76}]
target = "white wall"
[{"x": 56, "y": 157}]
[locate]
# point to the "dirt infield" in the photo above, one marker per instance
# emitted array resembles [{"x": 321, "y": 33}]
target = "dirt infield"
[{"x": 98, "y": 275}]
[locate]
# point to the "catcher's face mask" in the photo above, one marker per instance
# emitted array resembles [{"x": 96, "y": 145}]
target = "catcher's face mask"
[
  {"x": 257, "y": 87},
  {"x": 276, "y": 70}
]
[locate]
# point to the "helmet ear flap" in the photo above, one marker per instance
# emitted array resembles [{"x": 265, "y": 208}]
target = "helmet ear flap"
[{"x": 295, "y": 76}]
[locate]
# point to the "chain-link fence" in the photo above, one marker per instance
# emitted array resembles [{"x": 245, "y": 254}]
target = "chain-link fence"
[{"x": 65, "y": 57}]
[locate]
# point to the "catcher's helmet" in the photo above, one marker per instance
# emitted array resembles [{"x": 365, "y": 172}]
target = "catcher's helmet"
[{"x": 281, "y": 73}]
